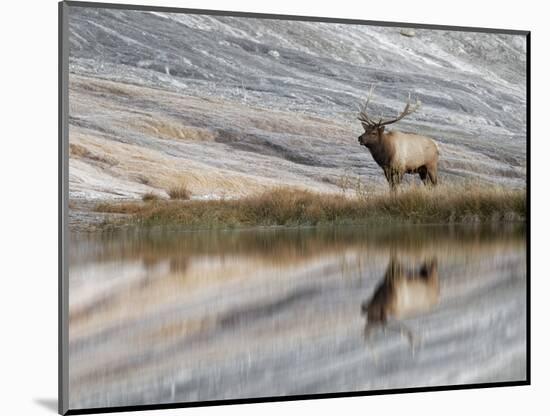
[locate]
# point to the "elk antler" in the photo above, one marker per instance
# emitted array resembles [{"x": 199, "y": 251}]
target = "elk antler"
[
  {"x": 363, "y": 115},
  {"x": 408, "y": 110},
  {"x": 368, "y": 123}
]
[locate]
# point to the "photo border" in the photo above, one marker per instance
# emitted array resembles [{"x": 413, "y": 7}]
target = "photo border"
[{"x": 63, "y": 199}]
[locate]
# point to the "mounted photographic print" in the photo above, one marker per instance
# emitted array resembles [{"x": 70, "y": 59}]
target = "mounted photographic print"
[{"x": 263, "y": 207}]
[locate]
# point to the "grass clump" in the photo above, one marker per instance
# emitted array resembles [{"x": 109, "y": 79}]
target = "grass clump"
[
  {"x": 179, "y": 192},
  {"x": 150, "y": 196},
  {"x": 291, "y": 207}
]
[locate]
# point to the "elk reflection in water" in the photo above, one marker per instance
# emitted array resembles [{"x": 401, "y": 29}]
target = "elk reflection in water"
[{"x": 403, "y": 293}]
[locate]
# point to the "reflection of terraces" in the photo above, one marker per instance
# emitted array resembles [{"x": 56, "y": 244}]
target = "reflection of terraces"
[
  {"x": 141, "y": 307},
  {"x": 169, "y": 265}
]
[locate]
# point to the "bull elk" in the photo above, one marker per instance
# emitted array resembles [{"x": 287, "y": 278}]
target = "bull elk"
[
  {"x": 398, "y": 153},
  {"x": 402, "y": 294}
]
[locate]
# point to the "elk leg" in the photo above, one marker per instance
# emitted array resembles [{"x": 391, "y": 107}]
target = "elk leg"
[
  {"x": 367, "y": 336},
  {"x": 394, "y": 177},
  {"x": 398, "y": 176},
  {"x": 404, "y": 331},
  {"x": 423, "y": 172},
  {"x": 388, "y": 173},
  {"x": 432, "y": 174}
]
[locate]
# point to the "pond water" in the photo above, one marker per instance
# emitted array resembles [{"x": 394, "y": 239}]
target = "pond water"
[{"x": 160, "y": 317}]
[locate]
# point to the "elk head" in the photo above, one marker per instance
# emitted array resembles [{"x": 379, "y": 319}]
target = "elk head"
[{"x": 375, "y": 129}]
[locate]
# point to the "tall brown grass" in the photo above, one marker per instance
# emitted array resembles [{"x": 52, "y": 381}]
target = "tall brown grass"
[
  {"x": 291, "y": 207},
  {"x": 179, "y": 192},
  {"x": 150, "y": 196}
]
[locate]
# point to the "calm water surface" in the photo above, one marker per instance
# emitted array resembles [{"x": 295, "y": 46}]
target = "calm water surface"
[{"x": 159, "y": 317}]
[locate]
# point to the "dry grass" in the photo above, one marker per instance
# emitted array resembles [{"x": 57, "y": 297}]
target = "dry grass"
[
  {"x": 173, "y": 130},
  {"x": 79, "y": 151},
  {"x": 179, "y": 192},
  {"x": 150, "y": 196},
  {"x": 290, "y": 207}
]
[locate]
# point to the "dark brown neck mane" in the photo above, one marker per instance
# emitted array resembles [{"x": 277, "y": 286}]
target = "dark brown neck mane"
[{"x": 382, "y": 151}]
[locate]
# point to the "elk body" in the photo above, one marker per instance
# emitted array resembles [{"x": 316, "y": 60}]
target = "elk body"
[
  {"x": 402, "y": 294},
  {"x": 399, "y": 153}
]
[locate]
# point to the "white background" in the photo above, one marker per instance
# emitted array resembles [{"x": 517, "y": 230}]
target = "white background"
[{"x": 28, "y": 216}]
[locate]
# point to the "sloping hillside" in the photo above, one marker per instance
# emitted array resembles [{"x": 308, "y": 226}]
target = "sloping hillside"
[{"x": 230, "y": 106}]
